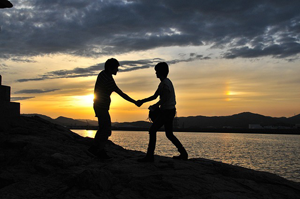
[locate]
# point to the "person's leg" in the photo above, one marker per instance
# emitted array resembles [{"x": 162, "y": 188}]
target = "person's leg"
[
  {"x": 101, "y": 137},
  {"x": 152, "y": 139},
  {"x": 169, "y": 116}
]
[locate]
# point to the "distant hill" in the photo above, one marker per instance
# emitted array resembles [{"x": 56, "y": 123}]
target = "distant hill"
[
  {"x": 295, "y": 119},
  {"x": 138, "y": 124},
  {"x": 241, "y": 120},
  {"x": 39, "y": 115},
  {"x": 64, "y": 121}
]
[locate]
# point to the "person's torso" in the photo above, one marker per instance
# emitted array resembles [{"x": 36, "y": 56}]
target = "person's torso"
[
  {"x": 104, "y": 86},
  {"x": 166, "y": 84}
]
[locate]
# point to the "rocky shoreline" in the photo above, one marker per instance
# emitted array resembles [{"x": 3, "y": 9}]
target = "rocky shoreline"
[{"x": 40, "y": 159}]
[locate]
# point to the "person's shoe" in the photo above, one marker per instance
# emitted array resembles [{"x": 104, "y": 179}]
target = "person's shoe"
[
  {"x": 146, "y": 159},
  {"x": 183, "y": 154}
]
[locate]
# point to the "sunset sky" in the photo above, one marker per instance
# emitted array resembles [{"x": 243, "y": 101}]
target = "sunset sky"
[{"x": 225, "y": 57}]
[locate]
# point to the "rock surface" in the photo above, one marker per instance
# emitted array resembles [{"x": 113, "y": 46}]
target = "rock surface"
[{"x": 43, "y": 160}]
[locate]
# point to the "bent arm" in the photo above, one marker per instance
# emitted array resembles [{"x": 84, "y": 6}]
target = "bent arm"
[
  {"x": 163, "y": 98},
  {"x": 153, "y": 97}
]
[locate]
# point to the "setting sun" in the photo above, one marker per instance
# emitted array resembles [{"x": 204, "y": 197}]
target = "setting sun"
[{"x": 84, "y": 100}]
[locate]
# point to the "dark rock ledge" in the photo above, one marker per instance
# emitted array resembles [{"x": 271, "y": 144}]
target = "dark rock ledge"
[{"x": 43, "y": 160}]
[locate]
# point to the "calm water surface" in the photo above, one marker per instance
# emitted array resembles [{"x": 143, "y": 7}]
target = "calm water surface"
[{"x": 273, "y": 153}]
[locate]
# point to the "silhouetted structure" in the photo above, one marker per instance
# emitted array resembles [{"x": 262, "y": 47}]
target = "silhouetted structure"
[
  {"x": 5, "y": 4},
  {"x": 9, "y": 111}
]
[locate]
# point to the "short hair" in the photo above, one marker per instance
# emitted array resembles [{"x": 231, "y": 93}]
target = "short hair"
[
  {"x": 111, "y": 63},
  {"x": 162, "y": 68}
]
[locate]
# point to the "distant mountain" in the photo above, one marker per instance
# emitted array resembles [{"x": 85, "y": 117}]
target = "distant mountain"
[
  {"x": 69, "y": 122},
  {"x": 89, "y": 122},
  {"x": 295, "y": 119},
  {"x": 241, "y": 120},
  {"x": 39, "y": 115},
  {"x": 64, "y": 121},
  {"x": 138, "y": 124}
]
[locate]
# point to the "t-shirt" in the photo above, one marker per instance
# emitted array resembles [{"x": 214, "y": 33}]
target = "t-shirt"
[
  {"x": 104, "y": 86},
  {"x": 164, "y": 85}
]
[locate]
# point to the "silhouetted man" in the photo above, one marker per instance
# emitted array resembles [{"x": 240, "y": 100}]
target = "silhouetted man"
[
  {"x": 5, "y": 4},
  {"x": 167, "y": 111},
  {"x": 104, "y": 86}
]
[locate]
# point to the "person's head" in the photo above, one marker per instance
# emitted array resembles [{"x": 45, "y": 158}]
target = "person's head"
[
  {"x": 162, "y": 70},
  {"x": 111, "y": 66}
]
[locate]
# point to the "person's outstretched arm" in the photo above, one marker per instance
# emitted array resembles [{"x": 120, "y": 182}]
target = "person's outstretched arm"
[
  {"x": 125, "y": 96},
  {"x": 153, "y": 97}
]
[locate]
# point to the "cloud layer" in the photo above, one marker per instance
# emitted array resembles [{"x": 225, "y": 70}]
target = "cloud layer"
[
  {"x": 35, "y": 91},
  {"x": 125, "y": 67},
  {"x": 241, "y": 28}
]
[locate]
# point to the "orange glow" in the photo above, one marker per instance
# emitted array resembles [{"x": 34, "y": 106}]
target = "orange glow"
[
  {"x": 83, "y": 100},
  {"x": 211, "y": 94},
  {"x": 229, "y": 94}
]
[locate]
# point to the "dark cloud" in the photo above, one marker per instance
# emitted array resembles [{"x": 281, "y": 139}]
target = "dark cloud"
[
  {"x": 279, "y": 51},
  {"x": 13, "y": 99},
  {"x": 34, "y": 91},
  {"x": 18, "y": 59},
  {"x": 125, "y": 67},
  {"x": 242, "y": 28}
]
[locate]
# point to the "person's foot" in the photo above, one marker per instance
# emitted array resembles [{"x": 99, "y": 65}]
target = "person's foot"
[
  {"x": 146, "y": 159},
  {"x": 183, "y": 154}
]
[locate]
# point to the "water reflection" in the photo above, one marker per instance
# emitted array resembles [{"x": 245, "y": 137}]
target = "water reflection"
[
  {"x": 90, "y": 133},
  {"x": 85, "y": 133},
  {"x": 265, "y": 152}
]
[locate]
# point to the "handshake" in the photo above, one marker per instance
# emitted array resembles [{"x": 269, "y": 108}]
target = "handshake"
[{"x": 139, "y": 103}]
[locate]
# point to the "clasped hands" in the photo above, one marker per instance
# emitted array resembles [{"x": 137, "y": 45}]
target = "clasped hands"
[{"x": 139, "y": 103}]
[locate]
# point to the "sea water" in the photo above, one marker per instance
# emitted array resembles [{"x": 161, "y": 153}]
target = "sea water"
[{"x": 274, "y": 153}]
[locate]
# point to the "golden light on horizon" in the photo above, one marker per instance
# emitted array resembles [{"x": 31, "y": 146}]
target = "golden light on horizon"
[
  {"x": 229, "y": 95},
  {"x": 215, "y": 93},
  {"x": 83, "y": 100},
  {"x": 229, "y": 91}
]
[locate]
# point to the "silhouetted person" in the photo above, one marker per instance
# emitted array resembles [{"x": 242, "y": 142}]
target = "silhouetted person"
[
  {"x": 5, "y": 4},
  {"x": 104, "y": 86},
  {"x": 166, "y": 115}
]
